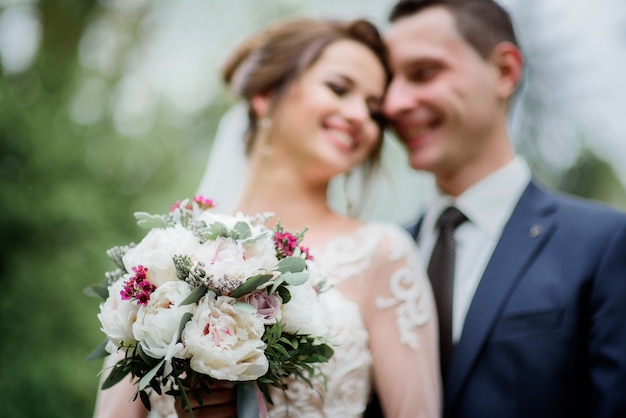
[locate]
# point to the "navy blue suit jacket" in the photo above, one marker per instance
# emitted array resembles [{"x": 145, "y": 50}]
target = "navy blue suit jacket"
[{"x": 545, "y": 334}]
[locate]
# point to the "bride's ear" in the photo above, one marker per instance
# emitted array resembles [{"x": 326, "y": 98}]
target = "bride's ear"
[{"x": 261, "y": 104}]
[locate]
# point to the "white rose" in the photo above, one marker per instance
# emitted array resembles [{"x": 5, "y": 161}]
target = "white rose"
[
  {"x": 156, "y": 252},
  {"x": 158, "y": 322},
  {"x": 224, "y": 342},
  {"x": 117, "y": 317},
  {"x": 305, "y": 313}
]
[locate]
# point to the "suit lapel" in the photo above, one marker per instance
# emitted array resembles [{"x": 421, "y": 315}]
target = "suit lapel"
[{"x": 529, "y": 227}]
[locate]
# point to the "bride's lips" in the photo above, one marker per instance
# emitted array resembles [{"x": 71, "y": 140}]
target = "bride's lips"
[{"x": 344, "y": 138}]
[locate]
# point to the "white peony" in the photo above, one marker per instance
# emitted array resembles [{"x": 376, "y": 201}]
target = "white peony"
[
  {"x": 156, "y": 252},
  {"x": 117, "y": 317},
  {"x": 158, "y": 322},
  {"x": 228, "y": 263},
  {"x": 225, "y": 342},
  {"x": 261, "y": 254},
  {"x": 305, "y": 313}
]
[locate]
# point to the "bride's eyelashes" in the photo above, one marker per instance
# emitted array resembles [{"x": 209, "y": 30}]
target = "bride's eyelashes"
[
  {"x": 337, "y": 88},
  {"x": 340, "y": 90}
]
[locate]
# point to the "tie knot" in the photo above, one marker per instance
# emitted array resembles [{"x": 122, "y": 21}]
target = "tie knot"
[{"x": 451, "y": 217}]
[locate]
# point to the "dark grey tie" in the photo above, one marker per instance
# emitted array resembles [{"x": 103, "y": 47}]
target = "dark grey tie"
[{"x": 441, "y": 273}]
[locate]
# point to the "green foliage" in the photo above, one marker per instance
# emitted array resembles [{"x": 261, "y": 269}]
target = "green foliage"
[
  {"x": 66, "y": 191},
  {"x": 289, "y": 355}
]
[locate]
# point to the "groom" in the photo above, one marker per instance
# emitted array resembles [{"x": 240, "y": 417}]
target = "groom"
[{"x": 536, "y": 323}]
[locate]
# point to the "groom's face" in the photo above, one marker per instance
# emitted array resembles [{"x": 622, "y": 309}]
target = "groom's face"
[{"x": 441, "y": 101}]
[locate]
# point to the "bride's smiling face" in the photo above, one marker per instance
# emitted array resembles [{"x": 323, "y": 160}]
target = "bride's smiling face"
[{"x": 327, "y": 119}]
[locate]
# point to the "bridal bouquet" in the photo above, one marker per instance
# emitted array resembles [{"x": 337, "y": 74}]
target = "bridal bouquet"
[{"x": 206, "y": 297}]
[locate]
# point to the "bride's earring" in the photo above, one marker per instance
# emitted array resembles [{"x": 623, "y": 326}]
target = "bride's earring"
[{"x": 264, "y": 136}]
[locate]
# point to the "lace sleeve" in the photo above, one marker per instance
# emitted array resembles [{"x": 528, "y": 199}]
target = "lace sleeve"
[
  {"x": 401, "y": 319},
  {"x": 409, "y": 291}
]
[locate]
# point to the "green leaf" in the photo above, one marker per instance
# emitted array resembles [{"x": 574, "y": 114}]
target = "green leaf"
[
  {"x": 149, "y": 221},
  {"x": 245, "y": 307},
  {"x": 295, "y": 279},
  {"x": 183, "y": 321},
  {"x": 145, "y": 399},
  {"x": 243, "y": 230},
  {"x": 291, "y": 264},
  {"x": 251, "y": 285},
  {"x": 97, "y": 291},
  {"x": 99, "y": 351},
  {"x": 284, "y": 294},
  {"x": 185, "y": 401},
  {"x": 282, "y": 350},
  {"x": 147, "y": 359},
  {"x": 116, "y": 375},
  {"x": 195, "y": 296},
  {"x": 145, "y": 380}
]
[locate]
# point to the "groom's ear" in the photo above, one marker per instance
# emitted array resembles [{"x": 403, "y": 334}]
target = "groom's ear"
[
  {"x": 508, "y": 60},
  {"x": 261, "y": 105}
]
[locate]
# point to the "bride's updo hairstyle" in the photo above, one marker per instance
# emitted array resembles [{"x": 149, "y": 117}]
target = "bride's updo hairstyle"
[{"x": 269, "y": 62}]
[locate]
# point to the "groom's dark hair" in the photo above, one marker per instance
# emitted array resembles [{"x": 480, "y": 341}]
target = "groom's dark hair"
[{"x": 482, "y": 23}]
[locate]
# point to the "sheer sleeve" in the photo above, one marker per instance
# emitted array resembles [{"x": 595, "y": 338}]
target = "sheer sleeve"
[{"x": 401, "y": 318}]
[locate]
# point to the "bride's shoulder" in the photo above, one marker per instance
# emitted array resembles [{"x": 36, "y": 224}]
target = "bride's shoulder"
[{"x": 390, "y": 235}]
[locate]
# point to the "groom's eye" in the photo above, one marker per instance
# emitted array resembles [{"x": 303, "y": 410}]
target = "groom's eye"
[{"x": 424, "y": 73}]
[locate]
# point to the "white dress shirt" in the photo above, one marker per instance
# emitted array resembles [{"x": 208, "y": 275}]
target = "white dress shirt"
[{"x": 488, "y": 206}]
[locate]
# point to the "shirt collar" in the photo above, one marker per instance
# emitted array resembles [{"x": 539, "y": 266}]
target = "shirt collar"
[{"x": 489, "y": 203}]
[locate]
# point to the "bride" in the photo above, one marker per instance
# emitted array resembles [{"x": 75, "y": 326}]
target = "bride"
[{"x": 314, "y": 90}]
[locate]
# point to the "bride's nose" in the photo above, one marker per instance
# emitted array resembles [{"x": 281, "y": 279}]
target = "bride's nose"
[{"x": 355, "y": 111}]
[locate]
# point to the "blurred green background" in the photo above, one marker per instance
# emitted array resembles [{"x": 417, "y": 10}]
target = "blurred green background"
[{"x": 79, "y": 153}]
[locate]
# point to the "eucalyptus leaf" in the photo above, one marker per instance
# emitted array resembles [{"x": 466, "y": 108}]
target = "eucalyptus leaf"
[
  {"x": 97, "y": 291},
  {"x": 251, "y": 285},
  {"x": 243, "y": 229},
  {"x": 195, "y": 296},
  {"x": 295, "y": 279},
  {"x": 215, "y": 230},
  {"x": 277, "y": 282},
  {"x": 255, "y": 238},
  {"x": 291, "y": 264},
  {"x": 147, "y": 220},
  {"x": 99, "y": 351},
  {"x": 245, "y": 307}
]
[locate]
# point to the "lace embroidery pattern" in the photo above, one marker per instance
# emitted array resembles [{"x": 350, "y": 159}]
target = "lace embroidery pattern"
[
  {"x": 348, "y": 374},
  {"x": 350, "y": 256}
]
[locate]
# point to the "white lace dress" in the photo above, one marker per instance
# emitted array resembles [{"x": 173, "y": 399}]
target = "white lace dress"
[
  {"x": 384, "y": 326},
  {"x": 382, "y": 309}
]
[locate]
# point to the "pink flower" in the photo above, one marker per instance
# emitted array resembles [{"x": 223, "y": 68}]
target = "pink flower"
[
  {"x": 204, "y": 202},
  {"x": 138, "y": 287},
  {"x": 267, "y": 306},
  {"x": 285, "y": 243}
]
